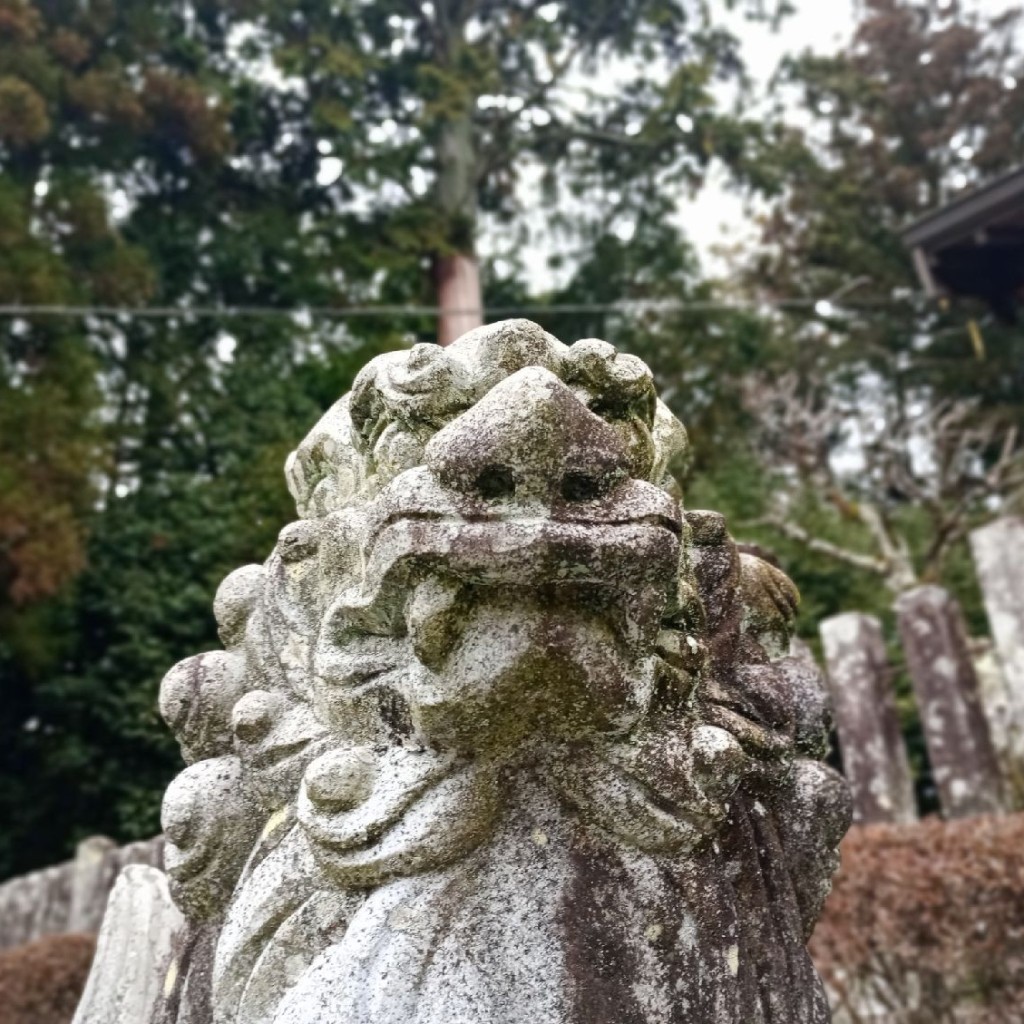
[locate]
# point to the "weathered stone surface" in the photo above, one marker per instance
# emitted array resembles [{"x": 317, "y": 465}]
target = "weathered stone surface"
[
  {"x": 1006, "y": 731},
  {"x": 499, "y": 733},
  {"x": 20, "y": 900},
  {"x": 69, "y": 897},
  {"x": 998, "y": 550},
  {"x": 53, "y": 910},
  {"x": 960, "y": 749},
  {"x": 134, "y": 964},
  {"x": 801, "y": 650},
  {"x": 94, "y": 874},
  {"x": 37, "y": 904},
  {"x": 870, "y": 739}
]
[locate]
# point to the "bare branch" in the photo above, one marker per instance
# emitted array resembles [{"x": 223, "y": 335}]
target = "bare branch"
[
  {"x": 824, "y": 547},
  {"x": 913, "y": 451}
]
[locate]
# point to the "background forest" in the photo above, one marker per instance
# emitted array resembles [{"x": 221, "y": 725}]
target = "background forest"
[{"x": 254, "y": 175}]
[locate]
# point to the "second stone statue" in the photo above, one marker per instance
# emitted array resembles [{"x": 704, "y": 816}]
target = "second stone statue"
[{"x": 500, "y": 734}]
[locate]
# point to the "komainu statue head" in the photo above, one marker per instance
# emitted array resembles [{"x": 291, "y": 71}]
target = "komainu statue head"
[{"x": 500, "y": 733}]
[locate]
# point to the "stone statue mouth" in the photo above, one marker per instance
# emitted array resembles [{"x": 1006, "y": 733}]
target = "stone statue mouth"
[
  {"x": 526, "y": 550},
  {"x": 665, "y": 522},
  {"x": 573, "y": 531},
  {"x": 630, "y": 550},
  {"x": 629, "y": 536}
]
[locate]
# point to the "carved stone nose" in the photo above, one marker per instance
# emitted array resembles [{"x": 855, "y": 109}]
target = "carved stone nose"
[{"x": 529, "y": 437}]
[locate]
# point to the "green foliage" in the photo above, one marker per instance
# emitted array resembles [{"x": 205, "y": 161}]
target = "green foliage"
[
  {"x": 86, "y": 752},
  {"x": 698, "y": 354},
  {"x": 437, "y": 110},
  {"x": 140, "y": 460},
  {"x": 242, "y": 153},
  {"x": 925, "y": 101},
  {"x": 249, "y": 153}
]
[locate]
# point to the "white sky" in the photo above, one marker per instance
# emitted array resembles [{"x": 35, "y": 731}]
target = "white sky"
[
  {"x": 822, "y": 25},
  {"x": 716, "y": 217}
]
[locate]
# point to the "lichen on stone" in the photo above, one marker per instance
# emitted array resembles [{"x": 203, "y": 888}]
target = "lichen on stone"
[{"x": 501, "y": 733}]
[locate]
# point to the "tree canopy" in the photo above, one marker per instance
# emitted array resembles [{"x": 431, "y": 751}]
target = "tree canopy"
[
  {"x": 230, "y": 165},
  {"x": 229, "y": 154},
  {"x": 898, "y": 419}
]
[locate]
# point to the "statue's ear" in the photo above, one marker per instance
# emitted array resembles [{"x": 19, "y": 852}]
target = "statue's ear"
[
  {"x": 770, "y": 600},
  {"x": 716, "y": 570}
]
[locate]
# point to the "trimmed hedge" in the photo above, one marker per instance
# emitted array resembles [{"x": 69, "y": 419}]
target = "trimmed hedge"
[
  {"x": 42, "y": 981},
  {"x": 926, "y": 923}
]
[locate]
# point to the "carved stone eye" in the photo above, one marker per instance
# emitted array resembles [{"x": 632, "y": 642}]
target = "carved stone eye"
[
  {"x": 583, "y": 486},
  {"x": 496, "y": 482}
]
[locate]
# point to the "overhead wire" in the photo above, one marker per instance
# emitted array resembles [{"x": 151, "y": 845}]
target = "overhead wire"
[{"x": 18, "y": 310}]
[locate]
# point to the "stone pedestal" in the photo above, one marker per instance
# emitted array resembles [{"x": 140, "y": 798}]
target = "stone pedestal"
[
  {"x": 870, "y": 738},
  {"x": 960, "y": 749}
]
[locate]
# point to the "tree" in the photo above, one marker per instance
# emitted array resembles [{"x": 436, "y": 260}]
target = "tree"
[
  {"x": 140, "y": 458},
  {"x": 433, "y": 111},
  {"x": 56, "y": 246},
  {"x": 885, "y": 388},
  {"x": 925, "y": 101},
  {"x": 235, "y": 153},
  {"x": 935, "y": 464}
]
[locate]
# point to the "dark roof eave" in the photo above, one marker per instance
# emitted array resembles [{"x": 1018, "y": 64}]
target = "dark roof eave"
[{"x": 970, "y": 213}]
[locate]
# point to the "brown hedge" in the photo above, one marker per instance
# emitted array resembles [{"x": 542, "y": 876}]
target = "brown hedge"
[
  {"x": 41, "y": 982},
  {"x": 927, "y": 921}
]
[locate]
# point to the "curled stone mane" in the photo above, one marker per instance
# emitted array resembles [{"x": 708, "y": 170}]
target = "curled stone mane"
[{"x": 499, "y": 732}]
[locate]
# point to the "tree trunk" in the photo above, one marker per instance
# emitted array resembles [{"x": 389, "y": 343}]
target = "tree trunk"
[
  {"x": 457, "y": 277},
  {"x": 458, "y": 296}
]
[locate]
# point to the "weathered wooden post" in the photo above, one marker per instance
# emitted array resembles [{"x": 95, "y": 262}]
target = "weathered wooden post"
[
  {"x": 500, "y": 734},
  {"x": 941, "y": 669},
  {"x": 870, "y": 738}
]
